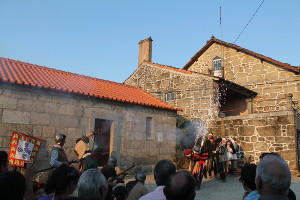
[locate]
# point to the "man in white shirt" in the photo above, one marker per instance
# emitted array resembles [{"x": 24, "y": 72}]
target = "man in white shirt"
[{"x": 163, "y": 170}]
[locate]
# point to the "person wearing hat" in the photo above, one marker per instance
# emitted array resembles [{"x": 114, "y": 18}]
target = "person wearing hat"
[
  {"x": 58, "y": 155},
  {"x": 109, "y": 171},
  {"x": 199, "y": 158},
  {"x": 92, "y": 160}
]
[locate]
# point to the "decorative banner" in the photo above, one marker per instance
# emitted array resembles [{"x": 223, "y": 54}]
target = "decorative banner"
[{"x": 23, "y": 149}]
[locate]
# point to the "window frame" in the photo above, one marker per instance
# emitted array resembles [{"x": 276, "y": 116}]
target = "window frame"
[
  {"x": 217, "y": 64},
  {"x": 169, "y": 96},
  {"x": 149, "y": 127}
]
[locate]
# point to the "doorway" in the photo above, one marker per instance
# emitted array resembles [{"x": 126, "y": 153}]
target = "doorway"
[{"x": 103, "y": 138}]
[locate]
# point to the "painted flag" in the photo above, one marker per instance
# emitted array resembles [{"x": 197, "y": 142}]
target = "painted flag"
[{"x": 23, "y": 149}]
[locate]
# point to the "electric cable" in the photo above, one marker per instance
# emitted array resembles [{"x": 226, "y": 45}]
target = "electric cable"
[{"x": 248, "y": 22}]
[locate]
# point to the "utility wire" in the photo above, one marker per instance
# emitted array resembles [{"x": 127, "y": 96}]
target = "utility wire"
[{"x": 249, "y": 22}]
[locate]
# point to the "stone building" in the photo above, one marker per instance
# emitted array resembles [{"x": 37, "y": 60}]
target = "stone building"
[
  {"x": 42, "y": 102},
  {"x": 233, "y": 91}
]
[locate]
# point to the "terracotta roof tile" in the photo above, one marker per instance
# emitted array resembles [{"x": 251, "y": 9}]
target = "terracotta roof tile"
[
  {"x": 22, "y": 73},
  {"x": 262, "y": 57}
]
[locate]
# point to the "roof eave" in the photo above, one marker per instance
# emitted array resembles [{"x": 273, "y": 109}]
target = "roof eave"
[{"x": 238, "y": 48}]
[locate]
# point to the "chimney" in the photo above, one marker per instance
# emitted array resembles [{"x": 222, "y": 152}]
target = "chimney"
[{"x": 145, "y": 50}]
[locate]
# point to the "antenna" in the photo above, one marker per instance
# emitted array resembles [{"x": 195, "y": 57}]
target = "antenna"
[
  {"x": 222, "y": 56},
  {"x": 221, "y": 22}
]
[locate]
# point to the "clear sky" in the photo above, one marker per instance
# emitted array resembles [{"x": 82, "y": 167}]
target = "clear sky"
[{"x": 100, "y": 38}]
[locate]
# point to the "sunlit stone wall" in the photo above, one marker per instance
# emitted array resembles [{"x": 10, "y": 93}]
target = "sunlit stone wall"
[
  {"x": 192, "y": 91},
  {"x": 263, "y": 133},
  {"x": 272, "y": 83},
  {"x": 270, "y": 126}
]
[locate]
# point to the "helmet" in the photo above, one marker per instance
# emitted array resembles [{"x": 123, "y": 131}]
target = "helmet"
[
  {"x": 112, "y": 161},
  {"x": 197, "y": 149},
  {"x": 97, "y": 149},
  {"x": 59, "y": 138},
  {"x": 140, "y": 176}
]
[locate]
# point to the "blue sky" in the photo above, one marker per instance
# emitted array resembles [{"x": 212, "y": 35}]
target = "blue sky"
[{"x": 100, "y": 38}]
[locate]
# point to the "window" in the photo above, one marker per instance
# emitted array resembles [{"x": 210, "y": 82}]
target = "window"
[
  {"x": 217, "y": 64},
  {"x": 149, "y": 128},
  {"x": 169, "y": 96}
]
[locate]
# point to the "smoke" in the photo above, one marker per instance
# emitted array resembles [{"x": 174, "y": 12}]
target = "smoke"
[{"x": 198, "y": 128}]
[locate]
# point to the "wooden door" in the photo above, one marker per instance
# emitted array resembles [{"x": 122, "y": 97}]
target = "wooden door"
[{"x": 103, "y": 138}]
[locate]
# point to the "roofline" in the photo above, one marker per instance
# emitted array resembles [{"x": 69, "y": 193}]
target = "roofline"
[
  {"x": 169, "y": 68},
  {"x": 80, "y": 93},
  {"x": 238, "y": 48}
]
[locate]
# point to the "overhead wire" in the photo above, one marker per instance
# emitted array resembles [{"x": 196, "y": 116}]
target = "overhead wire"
[{"x": 249, "y": 21}]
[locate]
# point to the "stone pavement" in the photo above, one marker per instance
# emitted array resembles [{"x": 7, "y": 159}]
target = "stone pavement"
[{"x": 214, "y": 189}]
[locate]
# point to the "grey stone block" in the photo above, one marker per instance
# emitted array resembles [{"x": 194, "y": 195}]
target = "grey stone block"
[
  {"x": 66, "y": 110},
  {"x": 8, "y": 103},
  {"x": 69, "y": 121},
  {"x": 24, "y": 105},
  {"x": 40, "y": 118},
  {"x": 48, "y": 131},
  {"x": 16, "y": 117}
]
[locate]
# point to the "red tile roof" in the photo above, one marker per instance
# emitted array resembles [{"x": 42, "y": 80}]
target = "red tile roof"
[
  {"x": 17, "y": 72},
  {"x": 262, "y": 57}
]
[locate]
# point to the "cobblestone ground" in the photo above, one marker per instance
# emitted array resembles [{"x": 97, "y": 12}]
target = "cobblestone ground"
[{"x": 214, "y": 189}]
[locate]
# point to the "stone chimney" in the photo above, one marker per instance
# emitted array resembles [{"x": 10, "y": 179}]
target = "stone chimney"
[{"x": 145, "y": 50}]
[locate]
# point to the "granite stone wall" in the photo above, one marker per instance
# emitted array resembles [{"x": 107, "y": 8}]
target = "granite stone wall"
[
  {"x": 268, "y": 123},
  {"x": 262, "y": 133},
  {"x": 192, "y": 91},
  {"x": 272, "y": 83},
  {"x": 44, "y": 113}
]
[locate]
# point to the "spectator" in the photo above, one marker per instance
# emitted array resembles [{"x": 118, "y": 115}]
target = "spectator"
[
  {"x": 221, "y": 158},
  {"x": 29, "y": 174},
  {"x": 248, "y": 181},
  {"x": 291, "y": 195},
  {"x": 3, "y": 161},
  {"x": 180, "y": 186},
  {"x": 209, "y": 147},
  {"x": 231, "y": 155},
  {"x": 39, "y": 190},
  {"x": 120, "y": 193},
  {"x": 92, "y": 185},
  {"x": 62, "y": 183},
  {"x": 12, "y": 185},
  {"x": 273, "y": 178},
  {"x": 136, "y": 188},
  {"x": 162, "y": 171}
]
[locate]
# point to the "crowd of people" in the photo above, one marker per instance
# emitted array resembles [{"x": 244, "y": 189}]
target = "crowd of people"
[
  {"x": 270, "y": 179},
  {"x": 217, "y": 155}
]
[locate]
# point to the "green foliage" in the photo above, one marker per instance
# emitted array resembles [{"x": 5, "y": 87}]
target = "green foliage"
[
  {"x": 178, "y": 152},
  {"x": 185, "y": 129}
]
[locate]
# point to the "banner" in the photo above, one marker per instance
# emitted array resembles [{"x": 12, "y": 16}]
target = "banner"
[{"x": 23, "y": 149}]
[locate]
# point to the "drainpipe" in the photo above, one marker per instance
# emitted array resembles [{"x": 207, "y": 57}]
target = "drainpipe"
[{"x": 289, "y": 97}]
